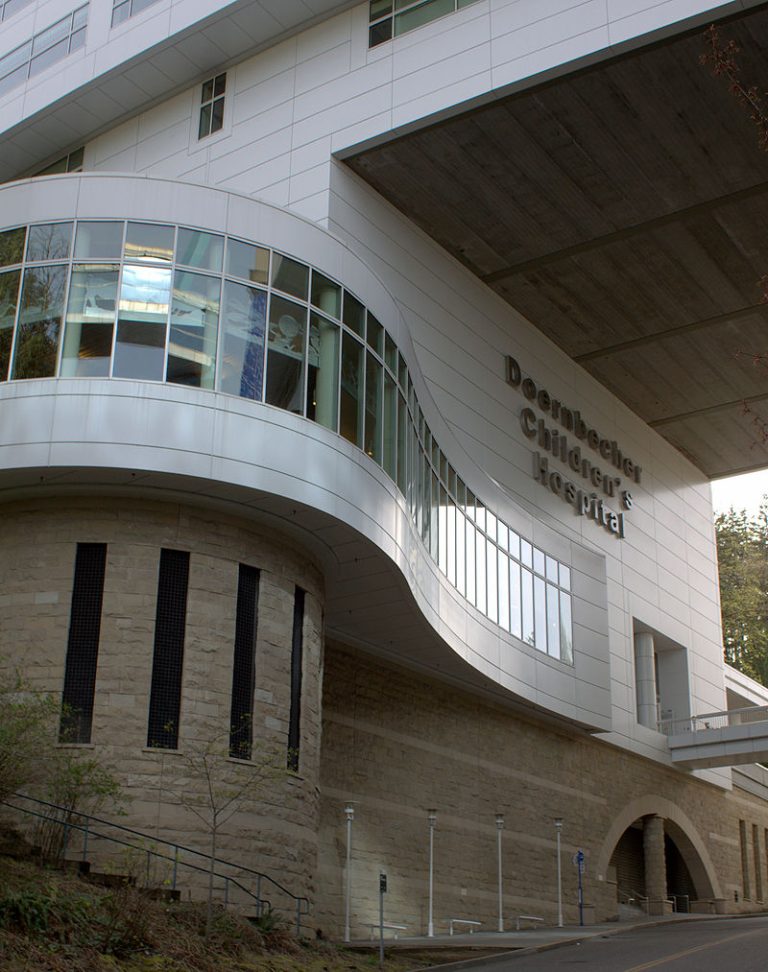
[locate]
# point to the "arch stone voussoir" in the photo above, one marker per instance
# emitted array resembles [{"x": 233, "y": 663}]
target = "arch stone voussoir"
[{"x": 679, "y": 827}]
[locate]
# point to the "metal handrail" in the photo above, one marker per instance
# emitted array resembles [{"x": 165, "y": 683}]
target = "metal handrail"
[
  {"x": 714, "y": 720},
  {"x": 301, "y": 903}
]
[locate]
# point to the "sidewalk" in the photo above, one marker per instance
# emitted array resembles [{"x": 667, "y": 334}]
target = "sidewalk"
[{"x": 464, "y": 951}]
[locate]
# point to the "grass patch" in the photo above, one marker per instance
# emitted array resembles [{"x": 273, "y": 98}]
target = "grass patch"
[{"x": 52, "y": 921}]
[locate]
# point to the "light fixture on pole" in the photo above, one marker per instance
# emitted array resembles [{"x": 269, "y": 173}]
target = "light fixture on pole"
[
  {"x": 349, "y": 811},
  {"x": 558, "y": 831},
  {"x": 499, "y": 828},
  {"x": 432, "y": 817}
]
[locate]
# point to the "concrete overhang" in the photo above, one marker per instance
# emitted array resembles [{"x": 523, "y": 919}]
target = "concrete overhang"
[{"x": 622, "y": 209}]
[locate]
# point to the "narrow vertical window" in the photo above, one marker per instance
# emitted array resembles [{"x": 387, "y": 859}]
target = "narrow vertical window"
[
  {"x": 168, "y": 657},
  {"x": 756, "y": 857},
  {"x": 83, "y": 643},
  {"x": 746, "y": 892},
  {"x": 212, "y": 106},
  {"x": 297, "y": 651},
  {"x": 244, "y": 665}
]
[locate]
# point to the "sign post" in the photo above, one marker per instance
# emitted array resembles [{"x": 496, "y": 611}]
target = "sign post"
[
  {"x": 382, "y": 892},
  {"x": 579, "y": 860}
]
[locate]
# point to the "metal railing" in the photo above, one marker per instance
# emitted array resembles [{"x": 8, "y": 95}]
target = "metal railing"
[
  {"x": 82, "y": 824},
  {"x": 714, "y": 720}
]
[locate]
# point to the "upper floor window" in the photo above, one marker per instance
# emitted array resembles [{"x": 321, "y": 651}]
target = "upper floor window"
[
  {"x": 212, "y": 106},
  {"x": 9, "y": 7},
  {"x": 45, "y": 48},
  {"x": 390, "y": 18},
  {"x": 72, "y": 162},
  {"x": 123, "y": 9}
]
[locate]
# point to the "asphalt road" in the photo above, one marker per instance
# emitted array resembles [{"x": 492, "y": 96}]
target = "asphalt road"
[{"x": 735, "y": 945}]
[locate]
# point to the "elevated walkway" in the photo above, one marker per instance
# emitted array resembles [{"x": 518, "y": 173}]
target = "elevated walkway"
[{"x": 729, "y": 738}]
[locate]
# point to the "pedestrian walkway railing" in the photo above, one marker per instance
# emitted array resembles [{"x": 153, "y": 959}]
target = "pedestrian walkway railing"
[
  {"x": 81, "y": 831},
  {"x": 714, "y": 720}
]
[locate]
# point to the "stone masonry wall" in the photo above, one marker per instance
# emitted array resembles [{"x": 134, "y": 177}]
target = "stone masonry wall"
[
  {"x": 277, "y": 832},
  {"x": 396, "y": 744}
]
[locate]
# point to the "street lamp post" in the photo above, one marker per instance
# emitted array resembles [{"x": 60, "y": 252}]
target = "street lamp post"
[
  {"x": 432, "y": 817},
  {"x": 558, "y": 831},
  {"x": 499, "y": 828},
  {"x": 350, "y": 814}
]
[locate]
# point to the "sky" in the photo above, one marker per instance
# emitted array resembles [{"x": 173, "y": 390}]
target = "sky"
[{"x": 740, "y": 492}]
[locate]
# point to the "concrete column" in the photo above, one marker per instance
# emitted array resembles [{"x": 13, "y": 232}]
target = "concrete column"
[
  {"x": 655, "y": 864},
  {"x": 645, "y": 677}
]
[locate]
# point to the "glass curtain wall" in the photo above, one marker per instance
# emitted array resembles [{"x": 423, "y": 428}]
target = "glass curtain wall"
[{"x": 146, "y": 301}]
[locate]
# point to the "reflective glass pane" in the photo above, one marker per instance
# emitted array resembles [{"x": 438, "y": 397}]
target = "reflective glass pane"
[
  {"x": 354, "y": 314},
  {"x": 148, "y": 241},
  {"x": 551, "y": 569},
  {"x": 351, "y": 414},
  {"x": 528, "y": 634},
  {"x": 217, "y": 115},
  {"x": 461, "y": 553},
  {"x": 526, "y": 553},
  {"x": 204, "y": 125},
  {"x": 423, "y": 14},
  {"x": 426, "y": 487},
  {"x": 514, "y": 545},
  {"x": 207, "y": 90},
  {"x": 540, "y": 611},
  {"x": 374, "y": 383},
  {"x": 247, "y": 261},
  {"x": 471, "y": 563},
  {"x": 9, "y": 295},
  {"x": 51, "y": 35},
  {"x": 90, "y": 322},
  {"x": 450, "y": 513},
  {"x": 50, "y": 241},
  {"x": 390, "y": 426},
  {"x": 99, "y": 241},
  {"x": 390, "y": 353},
  {"x": 219, "y": 85},
  {"x": 515, "y": 601},
  {"x": 553, "y": 621},
  {"x": 503, "y": 590},
  {"x": 202, "y": 250},
  {"x": 42, "y": 308},
  {"x": 43, "y": 60},
  {"x": 490, "y": 524},
  {"x": 285, "y": 355},
  {"x": 194, "y": 330},
  {"x": 379, "y": 8},
  {"x": 326, "y": 294},
  {"x": 241, "y": 370},
  {"x": 442, "y": 533},
  {"x": 538, "y": 561},
  {"x": 77, "y": 40},
  {"x": 380, "y": 32},
  {"x": 481, "y": 591},
  {"x": 402, "y": 444},
  {"x": 142, "y": 323},
  {"x": 566, "y": 629},
  {"x": 375, "y": 334},
  {"x": 565, "y": 577},
  {"x": 479, "y": 514},
  {"x": 491, "y": 580},
  {"x": 323, "y": 374},
  {"x": 434, "y": 515},
  {"x": 290, "y": 276},
  {"x": 12, "y": 246},
  {"x": 503, "y": 535}
]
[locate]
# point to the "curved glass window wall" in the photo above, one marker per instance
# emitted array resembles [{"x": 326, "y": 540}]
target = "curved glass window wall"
[{"x": 110, "y": 298}]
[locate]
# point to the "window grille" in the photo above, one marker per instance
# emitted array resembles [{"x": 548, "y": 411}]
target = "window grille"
[
  {"x": 244, "y": 666},
  {"x": 45, "y": 48},
  {"x": 212, "y": 106},
  {"x": 168, "y": 658},
  {"x": 297, "y": 653},
  {"x": 83, "y": 643}
]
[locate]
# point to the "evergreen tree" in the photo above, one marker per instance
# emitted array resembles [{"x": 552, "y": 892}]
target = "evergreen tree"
[{"x": 742, "y": 550}]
